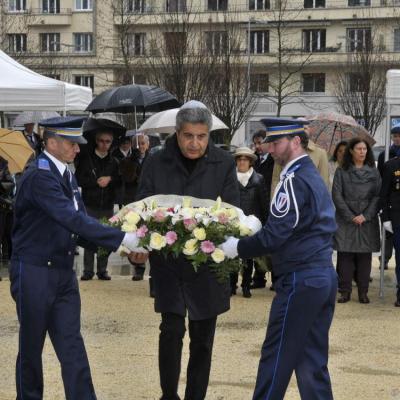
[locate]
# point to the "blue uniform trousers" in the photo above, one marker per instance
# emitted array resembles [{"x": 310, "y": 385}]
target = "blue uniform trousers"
[
  {"x": 48, "y": 300},
  {"x": 297, "y": 336},
  {"x": 396, "y": 244}
]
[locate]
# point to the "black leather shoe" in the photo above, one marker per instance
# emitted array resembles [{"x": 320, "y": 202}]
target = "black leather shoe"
[
  {"x": 397, "y": 303},
  {"x": 363, "y": 298},
  {"x": 246, "y": 293},
  {"x": 86, "y": 277},
  {"x": 104, "y": 277},
  {"x": 137, "y": 277},
  {"x": 344, "y": 298},
  {"x": 233, "y": 292}
]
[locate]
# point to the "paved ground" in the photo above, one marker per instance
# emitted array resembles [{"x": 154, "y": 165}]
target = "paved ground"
[{"x": 121, "y": 331}]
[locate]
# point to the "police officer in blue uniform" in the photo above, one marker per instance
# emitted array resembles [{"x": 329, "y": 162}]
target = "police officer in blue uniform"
[
  {"x": 49, "y": 220},
  {"x": 298, "y": 235}
]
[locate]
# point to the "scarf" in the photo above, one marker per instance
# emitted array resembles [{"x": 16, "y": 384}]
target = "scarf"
[{"x": 244, "y": 177}]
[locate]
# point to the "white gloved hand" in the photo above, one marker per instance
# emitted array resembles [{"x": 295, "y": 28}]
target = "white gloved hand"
[
  {"x": 388, "y": 226},
  {"x": 229, "y": 247},
  {"x": 253, "y": 223},
  {"x": 131, "y": 242}
]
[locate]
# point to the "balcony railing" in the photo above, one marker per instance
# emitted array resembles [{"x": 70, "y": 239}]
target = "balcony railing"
[{"x": 50, "y": 11}]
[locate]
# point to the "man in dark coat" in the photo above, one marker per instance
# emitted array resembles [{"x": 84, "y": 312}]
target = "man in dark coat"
[
  {"x": 394, "y": 151},
  {"x": 390, "y": 203},
  {"x": 33, "y": 138},
  {"x": 188, "y": 165},
  {"x": 97, "y": 175},
  {"x": 49, "y": 220}
]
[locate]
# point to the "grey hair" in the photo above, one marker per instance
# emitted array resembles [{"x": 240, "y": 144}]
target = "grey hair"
[
  {"x": 145, "y": 137},
  {"x": 193, "y": 116}
]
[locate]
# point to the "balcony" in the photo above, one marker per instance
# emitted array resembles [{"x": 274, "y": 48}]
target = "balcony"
[{"x": 59, "y": 17}]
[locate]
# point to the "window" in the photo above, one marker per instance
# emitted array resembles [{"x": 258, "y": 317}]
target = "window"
[
  {"x": 217, "y": 5},
  {"x": 217, "y": 42},
  {"x": 83, "y": 42},
  {"x": 397, "y": 40},
  {"x": 314, "y": 40},
  {"x": 314, "y": 83},
  {"x": 355, "y": 82},
  {"x": 259, "y": 42},
  {"x": 83, "y": 4},
  {"x": 17, "y": 43},
  {"x": 175, "y": 42},
  {"x": 135, "y": 6},
  {"x": 16, "y": 5},
  {"x": 358, "y": 39},
  {"x": 359, "y": 3},
  {"x": 136, "y": 44},
  {"x": 175, "y": 5},
  {"x": 51, "y": 6},
  {"x": 259, "y": 83},
  {"x": 314, "y": 3},
  {"x": 50, "y": 42},
  {"x": 85, "y": 80},
  {"x": 259, "y": 4}
]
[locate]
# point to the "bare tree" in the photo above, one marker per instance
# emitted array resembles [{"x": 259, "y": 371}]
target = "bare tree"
[
  {"x": 288, "y": 57},
  {"x": 361, "y": 84}
]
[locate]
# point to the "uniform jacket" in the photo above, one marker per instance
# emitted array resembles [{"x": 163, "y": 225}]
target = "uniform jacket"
[
  {"x": 318, "y": 156},
  {"x": 91, "y": 167},
  {"x": 394, "y": 151},
  {"x": 46, "y": 223},
  {"x": 178, "y": 288},
  {"x": 355, "y": 191},
  {"x": 253, "y": 197},
  {"x": 305, "y": 245},
  {"x": 390, "y": 192}
]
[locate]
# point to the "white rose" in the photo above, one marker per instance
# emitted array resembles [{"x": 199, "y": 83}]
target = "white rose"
[
  {"x": 157, "y": 241},
  {"x": 218, "y": 256}
]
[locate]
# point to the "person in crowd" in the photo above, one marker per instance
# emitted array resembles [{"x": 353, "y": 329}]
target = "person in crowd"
[
  {"x": 253, "y": 201},
  {"x": 355, "y": 193},
  {"x": 189, "y": 164},
  {"x": 33, "y": 138},
  {"x": 264, "y": 165},
  {"x": 136, "y": 162},
  {"x": 6, "y": 207},
  {"x": 124, "y": 191},
  {"x": 394, "y": 151},
  {"x": 49, "y": 219},
  {"x": 390, "y": 204},
  {"x": 336, "y": 159},
  {"x": 97, "y": 175},
  {"x": 298, "y": 235}
]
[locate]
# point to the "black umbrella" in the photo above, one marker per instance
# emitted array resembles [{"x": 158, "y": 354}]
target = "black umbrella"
[
  {"x": 131, "y": 98},
  {"x": 93, "y": 125}
]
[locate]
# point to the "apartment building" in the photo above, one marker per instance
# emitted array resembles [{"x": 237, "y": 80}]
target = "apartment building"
[{"x": 89, "y": 42}]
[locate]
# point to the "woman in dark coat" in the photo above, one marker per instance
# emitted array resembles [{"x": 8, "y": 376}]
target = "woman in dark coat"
[
  {"x": 191, "y": 165},
  {"x": 253, "y": 201},
  {"x": 355, "y": 192}
]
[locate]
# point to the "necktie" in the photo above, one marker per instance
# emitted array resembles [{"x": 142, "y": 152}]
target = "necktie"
[{"x": 67, "y": 178}]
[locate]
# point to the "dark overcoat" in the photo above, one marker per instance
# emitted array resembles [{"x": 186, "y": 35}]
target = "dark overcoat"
[
  {"x": 390, "y": 192},
  {"x": 177, "y": 287},
  {"x": 355, "y": 191}
]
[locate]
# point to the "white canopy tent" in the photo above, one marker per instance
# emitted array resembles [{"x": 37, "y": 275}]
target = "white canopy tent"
[{"x": 22, "y": 89}]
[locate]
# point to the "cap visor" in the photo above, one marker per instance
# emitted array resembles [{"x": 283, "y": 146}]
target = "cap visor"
[{"x": 74, "y": 139}]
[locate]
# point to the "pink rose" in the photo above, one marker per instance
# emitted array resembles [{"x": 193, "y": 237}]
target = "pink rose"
[
  {"x": 223, "y": 219},
  {"x": 207, "y": 247},
  {"x": 190, "y": 223},
  {"x": 159, "y": 215},
  {"x": 114, "y": 219},
  {"x": 171, "y": 237},
  {"x": 141, "y": 232}
]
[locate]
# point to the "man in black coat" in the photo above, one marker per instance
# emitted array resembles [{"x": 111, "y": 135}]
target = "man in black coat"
[
  {"x": 394, "y": 151},
  {"x": 188, "y": 165},
  {"x": 97, "y": 175}
]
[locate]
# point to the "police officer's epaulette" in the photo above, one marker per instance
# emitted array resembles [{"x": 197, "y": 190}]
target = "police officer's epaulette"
[
  {"x": 43, "y": 164},
  {"x": 293, "y": 169}
]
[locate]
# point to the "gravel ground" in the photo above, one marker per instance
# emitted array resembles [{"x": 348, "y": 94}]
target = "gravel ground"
[{"x": 120, "y": 330}]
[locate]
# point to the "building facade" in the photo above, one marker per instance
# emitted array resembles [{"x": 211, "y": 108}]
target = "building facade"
[{"x": 305, "y": 43}]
